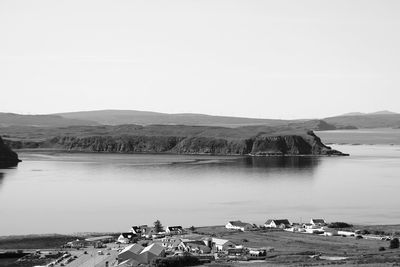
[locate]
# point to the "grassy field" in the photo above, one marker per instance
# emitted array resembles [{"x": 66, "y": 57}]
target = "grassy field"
[
  {"x": 290, "y": 249},
  {"x": 296, "y": 248}
]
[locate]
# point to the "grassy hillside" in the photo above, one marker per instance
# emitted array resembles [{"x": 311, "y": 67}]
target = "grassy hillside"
[
  {"x": 376, "y": 120},
  {"x": 116, "y": 117},
  {"x": 11, "y": 119}
]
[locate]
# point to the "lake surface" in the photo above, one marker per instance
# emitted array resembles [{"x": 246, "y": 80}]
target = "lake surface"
[{"x": 77, "y": 192}]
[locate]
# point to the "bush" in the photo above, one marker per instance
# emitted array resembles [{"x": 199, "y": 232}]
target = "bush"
[
  {"x": 365, "y": 232},
  {"x": 339, "y": 225},
  {"x": 381, "y": 249},
  {"x": 394, "y": 243},
  {"x": 176, "y": 261}
]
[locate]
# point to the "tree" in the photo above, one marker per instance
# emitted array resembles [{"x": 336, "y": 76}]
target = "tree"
[
  {"x": 394, "y": 243},
  {"x": 158, "y": 226},
  {"x": 192, "y": 228}
]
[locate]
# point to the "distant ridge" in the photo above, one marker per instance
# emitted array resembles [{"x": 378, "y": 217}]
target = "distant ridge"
[
  {"x": 353, "y": 120},
  {"x": 119, "y": 117},
  {"x": 12, "y": 119},
  {"x": 382, "y": 112},
  {"x": 379, "y": 119}
]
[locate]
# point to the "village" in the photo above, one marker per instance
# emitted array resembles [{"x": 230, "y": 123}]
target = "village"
[{"x": 236, "y": 243}]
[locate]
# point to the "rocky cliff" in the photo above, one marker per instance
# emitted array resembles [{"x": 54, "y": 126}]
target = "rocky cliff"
[
  {"x": 8, "y": 158},
  {"x": 271, "y": 143}
]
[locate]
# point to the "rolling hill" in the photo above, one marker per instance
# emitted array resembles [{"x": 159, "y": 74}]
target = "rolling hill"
[
  {"x": 12, "y": 119},
  {"x": 118, "y": 117}
]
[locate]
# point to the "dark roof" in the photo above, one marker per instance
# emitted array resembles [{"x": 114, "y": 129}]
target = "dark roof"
[
  {"x": 128, "y": 235},
  {"x": 279, "y": 222},
  {"x": 318, "y": 220},
  {"x": 174, "y": 228},
  {"x": 238, "y": 223}
]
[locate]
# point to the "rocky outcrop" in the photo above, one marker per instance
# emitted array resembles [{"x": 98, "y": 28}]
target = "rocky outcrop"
[
  {"x": 263, "y": 144},
  {"x": 8, "y": 158}
]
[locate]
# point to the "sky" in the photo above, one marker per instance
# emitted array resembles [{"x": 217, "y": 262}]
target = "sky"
[{"x": 249, "y": 58}]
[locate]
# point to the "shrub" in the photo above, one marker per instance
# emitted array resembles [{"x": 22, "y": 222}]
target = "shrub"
[
  {"x": 381, "y": 249},
  {"x": 365, "y": 232},
  {"x": 339, "y": 225},
  {"x": 176, "y": 261},
  {"x": 394, "y": 243}
]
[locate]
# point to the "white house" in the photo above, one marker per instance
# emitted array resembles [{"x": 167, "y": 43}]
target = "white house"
[
  {"x": 174, "y": 230},
  {"x": 281, "y": 223},
  {"x": 238, "y": 225},
  {"x": 126, "y": 238},
  {"x": 222, "y": 244}
]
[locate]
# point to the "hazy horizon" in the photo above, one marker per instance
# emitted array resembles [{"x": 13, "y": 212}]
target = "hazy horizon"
[
  {"x": 207, "y": 114},
  {"x": 257, "y": 59}
]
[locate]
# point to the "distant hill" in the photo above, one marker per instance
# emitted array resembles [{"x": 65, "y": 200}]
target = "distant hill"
[
  {"x": 118, "y": 117},
  {"x": 12, "y": 119},
  {"x": 380, "y": 119}
]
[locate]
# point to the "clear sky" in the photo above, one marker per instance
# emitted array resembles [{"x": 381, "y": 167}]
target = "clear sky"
[{"x": 269, "y": 59}]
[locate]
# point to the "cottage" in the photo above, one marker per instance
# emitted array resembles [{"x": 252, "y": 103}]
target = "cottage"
[
  {"x": 222, "y": 244},
  {"x": 194, "y": 246},
  {"x": 148, "y": 232},
  {"x": 258, "y": 252},
  {"x": 126, "y": 238},
  {"x": 318, "y": 222},
  {"x": 170, "y": 243},
  {"x": 137, "y": 229},
  {"x": 281, "y": 223},
  {"x": 174, "y": 230},
  {"x": 238, "y": 225}
]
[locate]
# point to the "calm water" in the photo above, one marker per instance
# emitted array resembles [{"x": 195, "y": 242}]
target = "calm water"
[{"x": 65, "y": 193}]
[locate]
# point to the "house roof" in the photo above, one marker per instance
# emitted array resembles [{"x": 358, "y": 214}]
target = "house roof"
[
  {"x": 128, "y": 235},
  {"x": 278, "y": 222},
  {"x": 197, "y": 244},
  {"x": 153, "y": 249},
  {"x": 148, "y": 230},
  {"x": 238, "y": 223},
  {"x": 134, "y": 248},
  {"x": 174, "y": 228},
  {"x": 219, "y": 241},
  {"x": 318, "y": 220}
]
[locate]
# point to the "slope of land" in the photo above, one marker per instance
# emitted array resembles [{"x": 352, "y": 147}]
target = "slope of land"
[
  {"x": 181, "y": 139},
  {"x": 372, "y": 120},
  {"x": 11, "y": 119},
  {"x": 117, "y": 117}
]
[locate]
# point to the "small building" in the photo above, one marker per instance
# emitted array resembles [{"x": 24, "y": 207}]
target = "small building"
[
  {"x": 151, "y": 252},
  {"x": 136, "y": 230},
  {"x": 148, "y": 232},
  {"x": 174, "y": 230},
  {"x": 194, "y": 246},
  {"x": 170, "y": 243},
  {"x": 126, "y": 238},
  {"x": 281, "y": 223},
  {"x": 78, "y": 243},
  {"x": 236, "y": 251},
  {"x": 258, "y": 252},
  {"x": 318, "y": 222},
  {"x": 222, "y": 244},
  {"x": 136, "y": 254},
  {"x": 238, "y": 225},
  {"x": 131, "y": 252}
]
